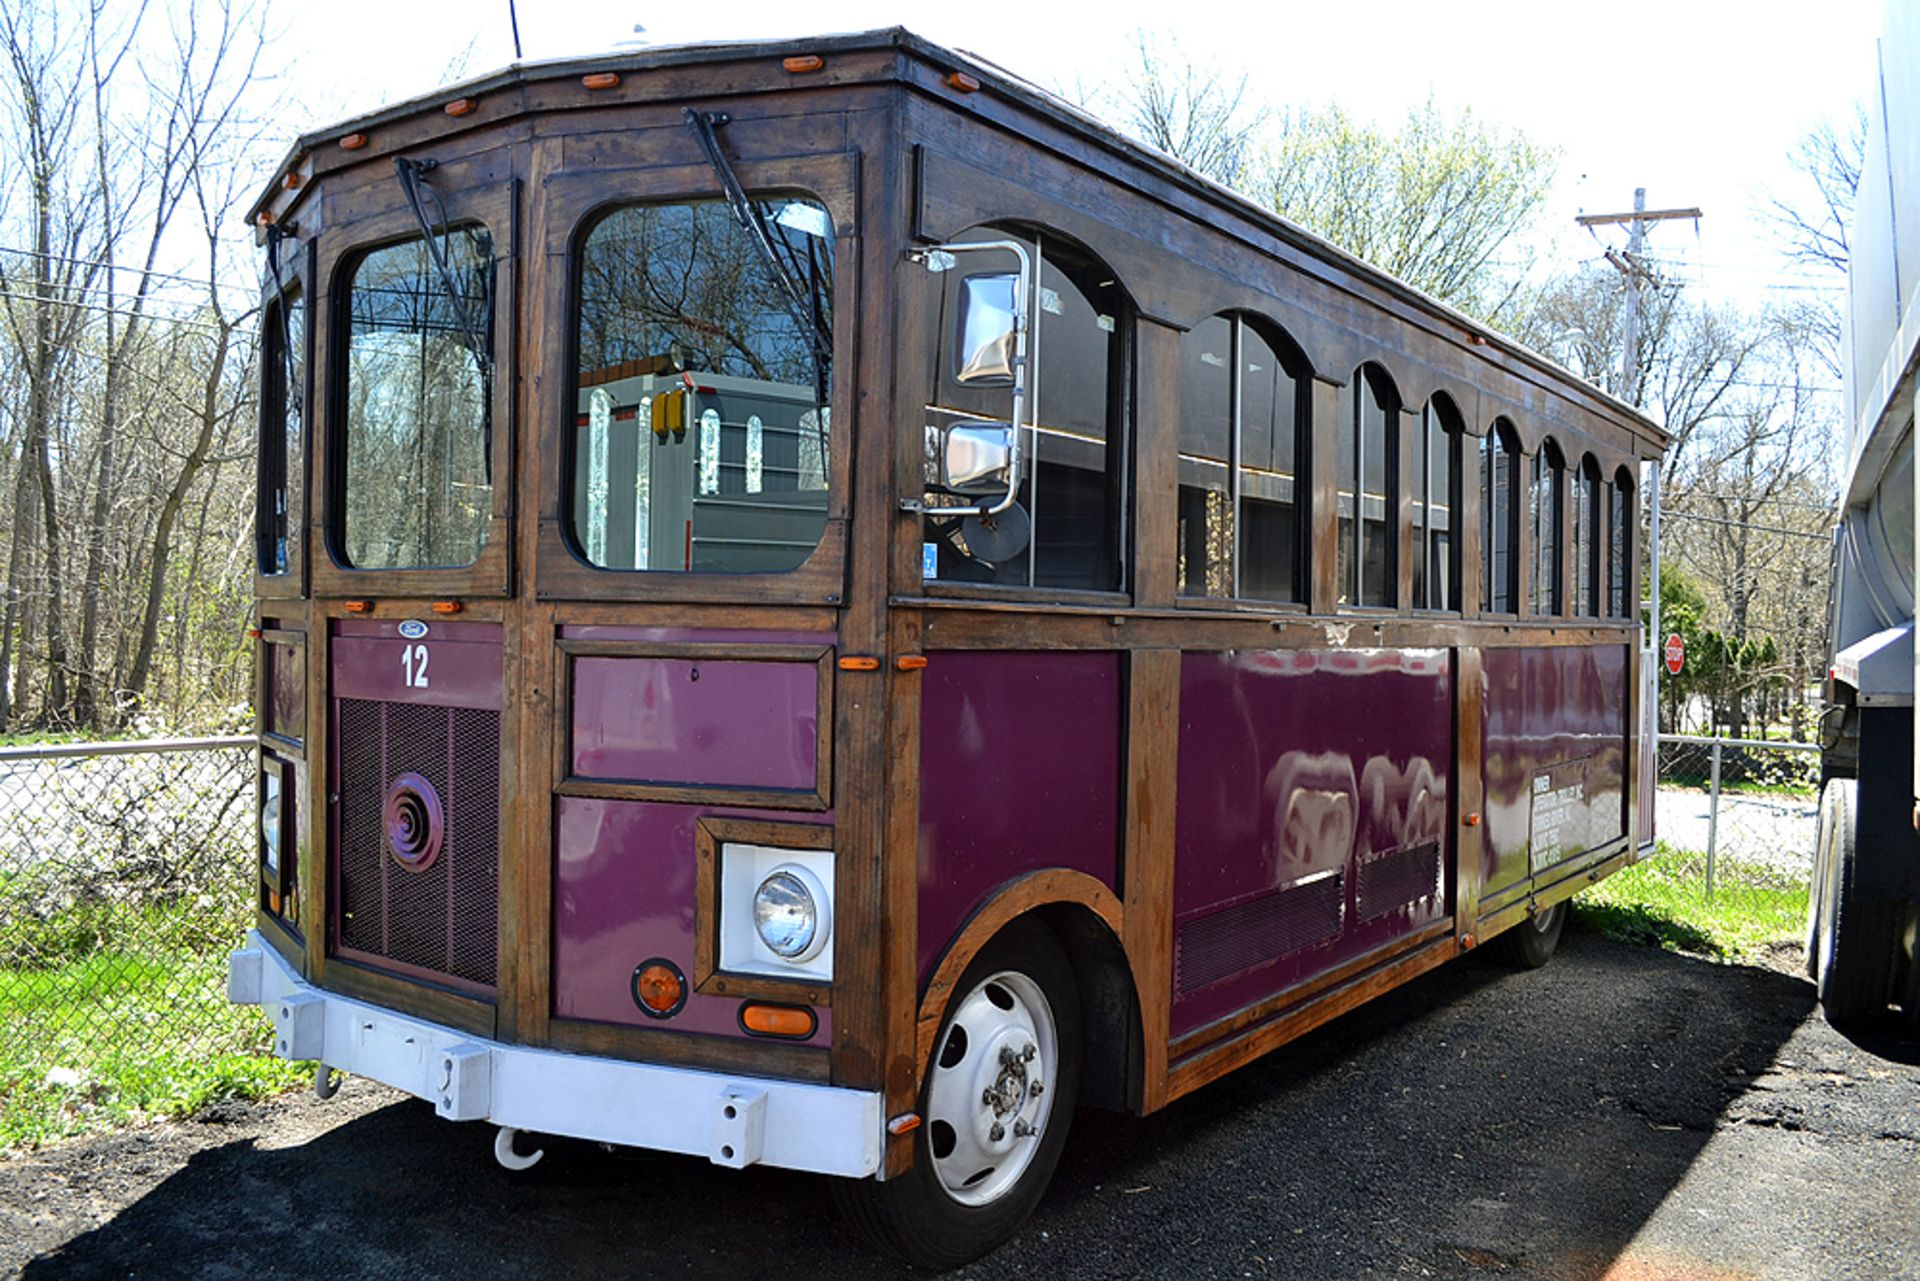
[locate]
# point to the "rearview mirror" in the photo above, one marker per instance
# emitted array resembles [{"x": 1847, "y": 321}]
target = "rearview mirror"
[
  {"x": 977, "y": 455},
  {"x": 989, "y": 317}
]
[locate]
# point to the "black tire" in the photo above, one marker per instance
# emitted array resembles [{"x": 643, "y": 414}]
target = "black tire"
[
  {"x": 1859, "y": 933},
  {"x": 1823, "y": 843},
  {"x": 1531, "y": 944},
  {"x": 916, "y": 1214}
]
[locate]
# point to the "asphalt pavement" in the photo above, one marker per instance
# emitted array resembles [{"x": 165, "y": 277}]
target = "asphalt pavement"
[{"x": 1624, "y": 1114}]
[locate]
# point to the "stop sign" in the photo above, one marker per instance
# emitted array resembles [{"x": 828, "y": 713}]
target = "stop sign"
[{"x": 1676, "y": 653}]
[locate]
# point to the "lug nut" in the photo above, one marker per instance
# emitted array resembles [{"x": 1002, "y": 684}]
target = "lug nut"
[
  {"x": 1028, "y": 1055},
  {"x": 1023, "y": 1130},
  {"x": 998, "y": 1132},
  {"x": 1035, "y": 1088},
  {"x": 988, "y": 1098}
]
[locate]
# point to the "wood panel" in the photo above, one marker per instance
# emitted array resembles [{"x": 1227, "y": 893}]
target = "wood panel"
[
  {"x": 1468, "y": 810},
  {"x": 1156, "y": 505},
  {"x": 1153, "y": 724}
]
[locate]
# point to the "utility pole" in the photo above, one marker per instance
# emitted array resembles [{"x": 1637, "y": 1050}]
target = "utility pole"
[{"x": 1631, "y": 265}]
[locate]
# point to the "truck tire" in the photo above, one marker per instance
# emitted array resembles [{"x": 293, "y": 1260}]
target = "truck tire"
[
  {"x": 1530, "y": 944},
  {"x": 1857, "y": 934}
]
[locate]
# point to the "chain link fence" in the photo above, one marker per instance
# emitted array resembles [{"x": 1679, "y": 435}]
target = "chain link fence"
[
  {"x": 1735, "y": 820},
  {"x": 126, "y": 876}
]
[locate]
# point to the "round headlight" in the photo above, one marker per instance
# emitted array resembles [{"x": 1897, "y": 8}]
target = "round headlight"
[{"x": 790, "y": 913}]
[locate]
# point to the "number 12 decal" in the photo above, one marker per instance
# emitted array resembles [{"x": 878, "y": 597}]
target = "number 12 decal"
[{"x": 413, "y": 665}]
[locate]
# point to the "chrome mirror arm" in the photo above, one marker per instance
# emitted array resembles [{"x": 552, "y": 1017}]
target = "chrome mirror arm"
[{"x": 939, "y": 258}]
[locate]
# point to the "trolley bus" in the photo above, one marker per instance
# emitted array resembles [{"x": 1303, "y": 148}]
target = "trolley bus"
[{"x": 820, "y": 608}]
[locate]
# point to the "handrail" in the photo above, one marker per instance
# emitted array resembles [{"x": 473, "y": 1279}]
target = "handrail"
[
  {"x": 126, "y": 747},
  {"x": 1739, "y": 742}
]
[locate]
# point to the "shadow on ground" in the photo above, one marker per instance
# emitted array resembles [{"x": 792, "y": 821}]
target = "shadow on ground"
[{"x": 1479, "y": 1122}]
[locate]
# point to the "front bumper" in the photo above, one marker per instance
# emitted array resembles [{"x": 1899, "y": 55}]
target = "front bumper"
[{"x": 731, "y": 1120}]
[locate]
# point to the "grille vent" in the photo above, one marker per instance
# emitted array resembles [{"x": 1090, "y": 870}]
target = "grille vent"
[
  {"x": 1213, "y": 947},
  {"x": 444, "y": 919},
  {"x": 1394, "y": 880}
]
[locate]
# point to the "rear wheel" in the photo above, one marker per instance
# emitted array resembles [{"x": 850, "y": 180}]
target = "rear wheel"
[
  {"x": 1531, "y": 944},
  {"x": 1858, "y": 933},
  {"x": 998, "y": 1099}
]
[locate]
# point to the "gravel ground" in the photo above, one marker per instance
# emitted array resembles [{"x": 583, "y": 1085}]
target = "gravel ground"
[{"x": 1624, "y": 1114}]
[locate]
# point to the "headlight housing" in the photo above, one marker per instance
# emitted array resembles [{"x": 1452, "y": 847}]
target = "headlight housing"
[{"x": 791, "y": 914}]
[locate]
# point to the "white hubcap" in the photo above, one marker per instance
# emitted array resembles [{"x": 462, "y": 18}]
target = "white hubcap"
[{"x": 992, "y": 1088}]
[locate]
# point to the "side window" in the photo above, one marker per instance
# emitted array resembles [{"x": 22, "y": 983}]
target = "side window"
[
  {"x": 1500, "y": 532},
  {"x": 282, "y": 422},
  {"x": 1064, "y": 530},
  {"x": 1436, "y": 497},
  {"x": 1239, "y": 514},
  {"x": 1546, "y": 508},
  {"x": 1588, "y": 520},
  {"x": 1620, "y": 546},
  {"x": 1368, "y": 493},
  {"x": 702, "y": 386}
]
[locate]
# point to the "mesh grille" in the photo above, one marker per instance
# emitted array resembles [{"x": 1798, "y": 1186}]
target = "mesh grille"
[
  {"x": 445, "y": 918},
  {"x": 1223, "y": 943},
  {"x": 1397, "y": 879}
]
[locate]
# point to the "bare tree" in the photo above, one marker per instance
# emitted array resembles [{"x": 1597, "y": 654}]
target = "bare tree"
[{"x": 1814, "y": 229}]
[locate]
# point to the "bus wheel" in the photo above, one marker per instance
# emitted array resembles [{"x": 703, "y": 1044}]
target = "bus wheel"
[
  {"x": 997, "y": 1102},
  {"x": 1530, "y": 944},
  {"x": 1858, "y": 933}
]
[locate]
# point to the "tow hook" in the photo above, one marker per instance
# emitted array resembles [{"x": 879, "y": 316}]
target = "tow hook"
[{"x": 503, "y": 1151}]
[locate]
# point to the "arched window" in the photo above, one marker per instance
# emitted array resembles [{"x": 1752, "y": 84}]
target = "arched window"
[
  {"x": 1239, "y": 510},
  {"x": 1620, "y": 546},
  {"x": 1500, "y": 519},
  {"x": 1547, "y": 509},
  {"x": 1589, "y": 518},
  {"x": 1066, "y": 530},
  {"x": 1436, "y": 497},
  {"x": 1369, "y": 489}
]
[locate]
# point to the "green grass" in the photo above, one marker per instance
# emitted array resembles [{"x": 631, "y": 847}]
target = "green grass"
[
  {"x": 112, "y": 1013},
  {"x": 1662, "y": 902}
]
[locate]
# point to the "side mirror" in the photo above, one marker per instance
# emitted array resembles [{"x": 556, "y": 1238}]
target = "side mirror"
[
  {"x": 976, "y": 455},
  {"x": 993, "y": 327},
  {"x": 989, "y": 319}
]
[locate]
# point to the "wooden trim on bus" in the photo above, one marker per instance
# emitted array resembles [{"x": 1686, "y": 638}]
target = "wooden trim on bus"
[
  {"x": 1014, "y": 899},
  {"x": 299, "y": 276},
  {"x": 315, "y": 858},
  {"x": 1147, "y": 877},
  {"x": 1156, "y": 500},
  {"x": 1215, "y": 1061},
  {"x": 900, "y": 882},
  {"x": 411, "y": 997},
  {"x": 1540, "y": 893},
  {"x": 528, "y": 725},
  {"x": 673, "y": 1048},
  {"x": 278, "y": 937},
  {"x": 710, "y": 833},
  {"x": 1469, "y": 785}
]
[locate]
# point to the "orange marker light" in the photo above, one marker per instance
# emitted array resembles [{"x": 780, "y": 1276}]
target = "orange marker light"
[
  {"x": 791, "y": 1021},
  {"x": 859, "y": 663},
  {"x": 359, "y": 607},
  {"x": 963, "y": 82},
  {"x": 353, "y": 142},
  {"x": 910, "y": 662},
  {"x": 447, "y": 607},
  {"x": 905, "y": 1123},
  {"x": 800, "y": 64},
  {"x": 1472, "y": 819},
  {"x": 290, "y": 181},
  {"x": 460, "y": 107},
  {"x": 266, "y": 218},
  {"x": 658, "y": 989},
  {"x": 601, "y": 80},
  {"x": 253, "y": 632}
]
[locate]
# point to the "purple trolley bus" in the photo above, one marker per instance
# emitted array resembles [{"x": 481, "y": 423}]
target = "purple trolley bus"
[{"x": 817, "y": 607}]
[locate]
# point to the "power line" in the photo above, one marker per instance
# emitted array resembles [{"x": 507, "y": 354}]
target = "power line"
[
  {"x": 121, "y": 311},
  {"x": 199, "y": 281},
  {"x": 1741, "y": 524}
]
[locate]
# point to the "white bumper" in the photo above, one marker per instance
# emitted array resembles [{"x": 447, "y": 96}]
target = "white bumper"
[{"x": 732, "y": 1120}]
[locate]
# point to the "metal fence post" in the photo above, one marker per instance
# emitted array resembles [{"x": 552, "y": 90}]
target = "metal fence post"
[{"x": 1713, "y": 813}]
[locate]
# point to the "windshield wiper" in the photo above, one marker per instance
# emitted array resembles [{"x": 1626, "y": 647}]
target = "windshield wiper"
[
  {"x": 803, "y": 303},
  {"x": 412, "y": 175}
]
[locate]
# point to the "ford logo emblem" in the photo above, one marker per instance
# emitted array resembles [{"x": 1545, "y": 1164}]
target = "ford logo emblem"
[{"x": 413, "y": 629}]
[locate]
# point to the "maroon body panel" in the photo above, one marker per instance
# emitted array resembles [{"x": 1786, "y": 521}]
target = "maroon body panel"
[
  {"x": 1312, "y": 819},
  {"x": 463, "y": 667},
  {"x": 1554, "y": 757},
  {"x": 1020, "y": 761},
  {"x": 717, "y": 723},
  {"x": 624, "y": 894}
]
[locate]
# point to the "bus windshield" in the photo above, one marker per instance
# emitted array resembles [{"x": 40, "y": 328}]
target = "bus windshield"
[{"x": 702, "y": 388}]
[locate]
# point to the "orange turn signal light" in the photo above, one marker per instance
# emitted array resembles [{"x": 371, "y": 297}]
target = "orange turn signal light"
[
  {"x": 905, "y": 1123},
  {"x": 659, "y": 989},
  {"x": 290, "y": 181},
  {"x": 794, "y": 1022},
  {"x": 461, "y": 106},
  {"x": 447, "y": 607},
  {"x": 963, "y": 82},
  {"x": 359, "y": 607},
  {"x": 353, "y": 142},
  {"x": 910, "y": 662},
  {"x": 802, "y": 63},
  {"x": 253, "y": 633},
  {"x": 1472, "y": 819},
  {"x": 601, "y": 80},
  {"x": 859, "y": 663}
]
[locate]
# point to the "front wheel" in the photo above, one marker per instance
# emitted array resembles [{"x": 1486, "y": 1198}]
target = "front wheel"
[
  {"x": 1857, "y": 934},
  {"x": 997, "y": 1101}
]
